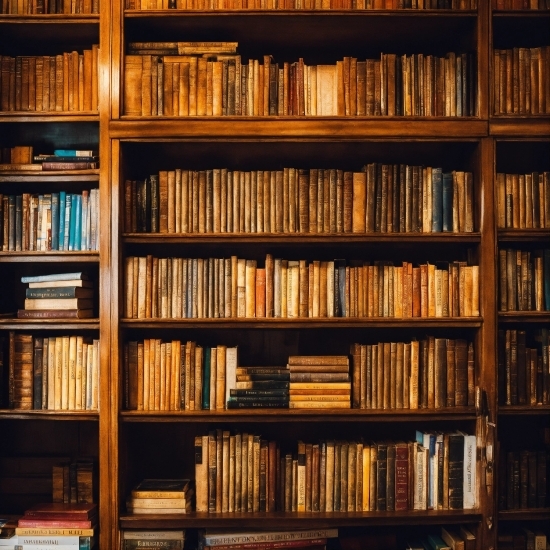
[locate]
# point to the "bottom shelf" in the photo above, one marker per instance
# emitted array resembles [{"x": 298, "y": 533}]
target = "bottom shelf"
[{"x": 284, "y": 520}]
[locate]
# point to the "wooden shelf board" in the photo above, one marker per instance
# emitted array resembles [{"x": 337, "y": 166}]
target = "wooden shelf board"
[
  {"x": 294, "y": 415},
  {"x": 526, "y": 126},
  {"x": 524, "y": 316},
  {"x": 49, "y": 324},
  {"x": 297, "y": 520},
  {"x": 51, "y": 17},
  {"x": 511, "y": 235},
  {"x": 297, "y": 238},
  {"x": 138, "y": 14},
  {"x": 521, "y": 13},
  {"x": 353, "y": 128},
  {"x": 47, "y": 175},
  {"x": 303, "y": 323},
  {"x": 51, "y": 256},
  {"x": 524, "y": 515},
  {"x": 525, "y": 410},
  {"x": 49, "y": 116},
  {"x": 12, "y": 414}
]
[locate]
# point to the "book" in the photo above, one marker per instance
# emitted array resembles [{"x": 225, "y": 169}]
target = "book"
[
  {"x": 214, "y": 537},
  {"x": 160, "y": 488},
  {"x": 60, "y": 511},
  {"x": 54, "y": 277}
]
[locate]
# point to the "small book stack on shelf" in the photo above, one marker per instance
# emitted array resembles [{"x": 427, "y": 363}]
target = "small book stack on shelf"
[
  {"x": 319, "y": 382},
  {"x": 312, "y": 539},
  {"x": 259, "y": 387},
  {"x": 72, "y": 526},
  {"x": 21, "y": 157},
  {"x": 160, "y": 496},
  {"x": 73, "y": 482},
  {"x": 153, "y": 540},
  {"x": 58, "y": 296}
]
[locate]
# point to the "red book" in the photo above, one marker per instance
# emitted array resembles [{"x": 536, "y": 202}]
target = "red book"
[{"x": 60, "y": 511}]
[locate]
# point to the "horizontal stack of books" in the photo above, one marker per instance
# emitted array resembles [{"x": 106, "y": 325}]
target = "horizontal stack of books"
[
  {"x": 21, "y": 157},
  {"x": 71, "y": 526},
  {"x": 215, "y": 539},
  {"x": 153, "y": 540},
  {"x": 260, "y": 387},
  {"x": 319, "y": 382},
  {"x": 58, "y": 296},
  {"x": 160, "y": 496}
]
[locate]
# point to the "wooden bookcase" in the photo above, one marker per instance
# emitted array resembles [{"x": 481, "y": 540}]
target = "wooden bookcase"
[{"x": 130, "y": 445}]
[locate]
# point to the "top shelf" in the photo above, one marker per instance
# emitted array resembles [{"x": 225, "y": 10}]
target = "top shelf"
[
  {"x": 272, "y": 12},
  {"x": 58, "y": 18}
]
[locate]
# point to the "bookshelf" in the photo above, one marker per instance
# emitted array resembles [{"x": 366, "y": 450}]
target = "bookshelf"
[{"x": 134, "y": 147}]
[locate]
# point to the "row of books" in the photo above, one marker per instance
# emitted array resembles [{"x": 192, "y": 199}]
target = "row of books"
[
  {"x": 53, "y": 373},
  {"x": 523, "y": 538},
  {"x": 524, "y": 371},
  {"x": 524, "y": 279},
  {"x": 521, "y": 81},
  {"x": 246, "y": 473},
  {"x": 73, "y": 482},
  {"x": 428, "y": 374},
  {"x": 50, "y": 221},
  {"x": 523, "y": 200},
  {"x": 300, "y": 4},
  {"x": 64, "y": 82},
  {"x": 523, "y": 479},
  {"x": 38, "y": 7},
  {"x": 521, "y": 5},
  {"x": 381, "y": 198},
  {"x": 152, "y": 540},
  {"x": 220, "y": 85},
  {"x": 432, "y": 373},
  {"x": 173, "y": 288}
]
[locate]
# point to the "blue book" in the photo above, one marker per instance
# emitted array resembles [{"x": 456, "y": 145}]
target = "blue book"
[
  {"x": 74, "y": 153},
  {"x": 55, "y": 221},
  {"x": 61, "y": 222},
  {"x": 67, "y": 225},
  {"x": 546, "y": 278},
  {"x": 78, "y": 222},
  {"x": 447, "y": 201},
  {"x": 437, "y": 201},
  {"x": 206, "y": 379},
  {"x": 72, "y": 221}
]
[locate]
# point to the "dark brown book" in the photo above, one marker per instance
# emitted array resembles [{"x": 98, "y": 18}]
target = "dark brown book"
[{"x": 461, "y": 373}]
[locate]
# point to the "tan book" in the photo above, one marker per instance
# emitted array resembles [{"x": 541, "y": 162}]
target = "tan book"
[
  {"x": 319, "y": 405},
  {"x": 133, "y": 80},
  {"x": 319, "y": 397}
]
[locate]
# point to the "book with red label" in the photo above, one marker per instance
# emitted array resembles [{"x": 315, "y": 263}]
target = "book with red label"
[{"x": 61, "y": 511}]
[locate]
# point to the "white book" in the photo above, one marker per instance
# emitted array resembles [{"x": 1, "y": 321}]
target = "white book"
[
  {"x": 470, "y": 470},
  {"x": 231, "y": 362}
]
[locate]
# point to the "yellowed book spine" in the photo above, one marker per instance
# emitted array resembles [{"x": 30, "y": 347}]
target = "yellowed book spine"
[
  {"x": 65, "y": 373},
  {"x": 221, "y": 353},
  {"x": 79, "y": 374},
  {"x": 365, "y": 501}
]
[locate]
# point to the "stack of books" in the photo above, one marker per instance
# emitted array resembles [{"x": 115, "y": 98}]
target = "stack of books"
[
  {"x": 216, "y": 539},
  {"x": 153, "y": 540},
  {"x": 319, "y": 382},
  {"x": 260, "y": 387},
  {"x": 58, "y": 296},
  {"x": 71, "y": 526},
  {"x": 22, "y": 157},
  {"x": 448, "y": 539},
  {"x": 160, "y": 496}
]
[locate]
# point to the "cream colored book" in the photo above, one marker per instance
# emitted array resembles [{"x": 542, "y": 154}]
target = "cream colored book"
[
  {"x": 51, "y": 373},
  {"x": 79, "y": 372},
  {"x": 319, "y": 405},
  {"x": 231, "y": 364},
  {"x": 65, "y": 373},
  {"x": 220, "y": 377},
  {"x": 250, "y": 288}
]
